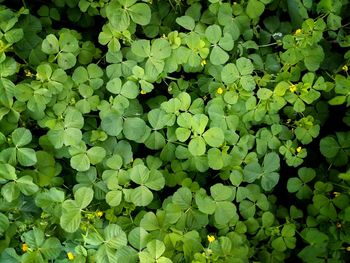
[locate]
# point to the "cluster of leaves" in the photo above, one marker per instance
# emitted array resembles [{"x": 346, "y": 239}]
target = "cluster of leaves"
[{"x": 174, "y": 131}]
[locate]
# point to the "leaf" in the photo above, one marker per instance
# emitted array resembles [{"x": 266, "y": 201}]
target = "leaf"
[
  {"x": 10, "y": 191},
  {"x": 218, "y": 56},
  {"x": 213, "y": 33},
  {"x": 68, "y": 43},
  {"x": 224, "y": 212},
  {"x": 160, "y": 49},
  {"x": 113, "y": 198},
  {"x": 26, "y": 185},
  {"x": 137, "y": 237},
  {"x": 115, "y": 237},
  {"x": 80, "y": 162},
  {"x": 156, "y": 248},
  {"x": 114, "y": 86},
  {"x": 197, "y": 146},
  {"x": 229, "y": 73},
  {"x": 71, "y": 217},
  {"x": 96, "y": 154},
  {"x": 183, "y": 198},
  {"x": 271, "y": 162},
  {"x": 134, "y": 128},
  {"x": 50, "y": 45},
  {"x": 251, "y": 172},
  {"x": 4, "y": 223},
  {"x": 155, "y": 141},
  {"x": 244, "y": 66},
  {"x": 141, "y": 196},
  {"x": 26, "y": 156},
  {"x": 51, "y": 248},
  {"x": 141, "y": 48},
  {"x": 7, "y": 172},
  {"x": 329, "y": 147},
  {"x": 112, "y": 124},
  {"x": 186, "y": 22},
  {"x": 118, "y": 17},
  {"x": 255, "y": 8},
  {"x": 269, "y": 180},
  {"x": 156, "y": 180},
  {"x": 83, "y": 196},
  {"x": 66, "y": 60},
  {"x": 214, "y": 137},
  {"x": 140, "y": 13},
  {"x": 139, "y": 174},
  {"x": 221, "y": 192},
  {"x": 21, "y": 137}
]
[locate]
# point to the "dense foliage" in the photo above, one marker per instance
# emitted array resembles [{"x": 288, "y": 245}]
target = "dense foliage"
[{"x": 174, "y": 131}]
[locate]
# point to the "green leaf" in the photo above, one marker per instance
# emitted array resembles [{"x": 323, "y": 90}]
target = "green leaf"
[
  {"x": 114, "y": 86},
  {"x": 118, "y": 17},
  {"x": 156, "y": 180},
  {"x": 115, "y": 237},
  {"x": 112, "y": 124},
  {"x": 7, "y": 172},
  {"x": 21, "y": 137},
  {"x": 255, "y": 8},
  {"x": 205, "y": 203},
  {"x": 229, "y": 73},
  {"x": 141, "y": 48},
  {"x": 139, "y": 174},
  {"x": 218, "y": 56},
  {"x": 26, "y": 156},
  {"x": 197, "y": 146},
  {"x": 269, "y": 180},
  {"x": 224, "y": 212},
  {"x": 51, "y": 248},
  {"x": 141, "y": 196},
  {"x": 156, "y": 248},
  {"x": 50, "y": 45},
  {"x": 83, "y": 196},
  {"x": 244, "y": 66},
  {"x": 214, "y": 137},
  {"x": 4, "y": 223},
  {"x": 113, "y": 198},
  {"x": 271, "y": 162},
  {"x": 96, "y": 154},
  {"x": 186, "y": 22},
  {"x": 71, "y": 217},
  {"x": 26, "y": 185},
  {"x": 10, "y": 191},
  {"x": 68, "y": 43},
  {"x": 221, "y": 192},
  {"x": 137, "y": 237},
  {"x": 213, "y": 33},
  {"x": 183, "y": 198},
  {"x": 134, "y": 128},
  {"x": 155, "y": 141},
  {"x": 140, "y": 13},
  {"x": 80, "y": 162},
  {"x": 329, "y": 147},
  {"x": 160, "y": 49},
  {"x": 252, "y": 171},
  {"x": 66, "y": 60}
]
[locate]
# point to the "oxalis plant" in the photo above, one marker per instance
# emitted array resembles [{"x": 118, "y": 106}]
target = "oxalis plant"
[{"x": 174, "y": 131}]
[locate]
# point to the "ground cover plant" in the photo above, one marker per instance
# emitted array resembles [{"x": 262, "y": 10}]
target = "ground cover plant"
[{"x": 174, "y": 131}]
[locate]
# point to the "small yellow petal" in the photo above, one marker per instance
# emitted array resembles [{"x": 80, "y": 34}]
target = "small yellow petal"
[
  {"x": 99, "y": 213},
  {"x": 293, "y": 88},
  {"x": 220, "y": 91},
  {"x": 70, "y": 255},
  {"x": 348, "y": 249},
  {"x": 298, "y": 32},
  {"x": 345, "y": 68},
  {"x": 211, "y": 238},
  {"x": 143, "y": 92},
  {"x": 299, "y": 149},
  {"x": 203, "y": 62},
  {"x": 24, "y": 247}
]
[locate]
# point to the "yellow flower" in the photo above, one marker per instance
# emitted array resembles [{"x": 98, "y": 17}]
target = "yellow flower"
[
  {"x": 220, "y": 91},
  {"x": 24, "y": 247},
  {"x": 299, "y": 149},
  {"x": 99, "y": 213},
  {"x": 298, "y": 32},
  {"x": 293, "y": 88},
  {"x": 348, "y": 249},
  {"x": 143, "y": 92},
  {"x": 345, "y": 68},
  {"x": 28, "y": 73},
  {"x": 70, "y": 256},
  {"x": 336, "y": 194},
  {"x": 203, "y": 62},
  {"x": 211, "y": 238}
]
